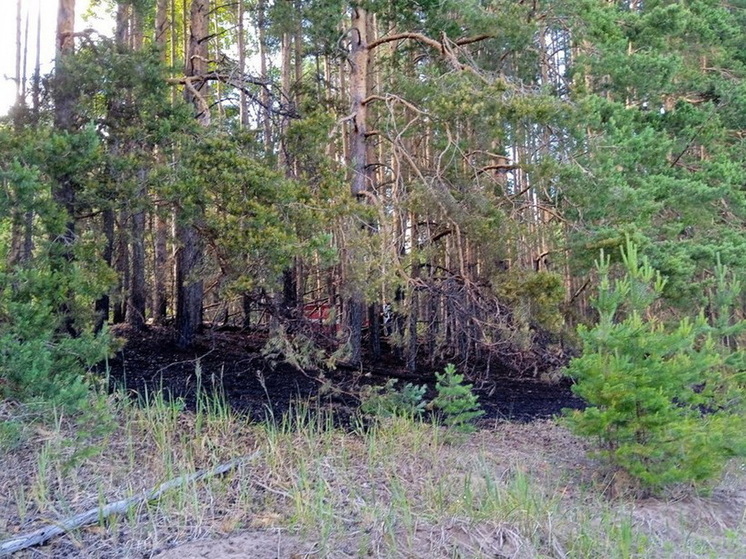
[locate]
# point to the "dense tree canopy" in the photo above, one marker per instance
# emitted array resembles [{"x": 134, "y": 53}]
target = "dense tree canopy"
[{"x": 432, "y": 179}]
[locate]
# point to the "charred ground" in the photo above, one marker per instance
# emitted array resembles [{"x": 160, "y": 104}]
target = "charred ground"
[{"x": 232, "y": 363}]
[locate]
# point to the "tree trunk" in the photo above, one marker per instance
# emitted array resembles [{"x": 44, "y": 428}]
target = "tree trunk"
[
  {"x": 122, "y": 267},
  {"x": 374, "y": 329},
  {"x": 103, "y": 304},
  {"x": 189, "y": 284},
  {"x": 196, "y": 60},
  {"x": 18, "y": 52},
  {"x": 355, "y": 318},
  {"x": 137, "y": 297},
  {"x": 161, "y": 269},
  {"x": 414, "y": 308},
  {"x": 163, "y": 29},
  {"x": 286, "y": 70},
  {"x": 358, "y": 162},
  {"x": 138, "y": 288},
  {"x": 36, "y": 79},
  {"x": 64, "y": 187},
  {"x": 243, "y": 101},
  {"x": 162, "y": 26},
  {"x": 358, "y": 93},
  {"x": 17, "y": 254},
  {"x": 261, "y": 36}
]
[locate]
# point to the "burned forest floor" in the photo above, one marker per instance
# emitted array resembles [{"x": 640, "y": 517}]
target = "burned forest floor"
[
  {"x": 243, "y": 482},
  {"x": 232, "y": 365}
]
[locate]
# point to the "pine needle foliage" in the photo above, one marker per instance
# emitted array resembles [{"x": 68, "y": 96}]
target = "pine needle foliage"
[
  {"x": 665, "y": 401},
  {"x": 388, "y": 401},
  {"x": 456, "y": 400}
]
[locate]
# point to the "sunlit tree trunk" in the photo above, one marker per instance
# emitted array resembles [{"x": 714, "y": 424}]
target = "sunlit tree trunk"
[
  {"x": 243, "y": 101},
  {"x": 164, "y": 29},
  {"x": 197, "y": 92},
  {"x": 359, "y": 54},
  {"x": 264, "y": 96},
  {"x": 189, "y": 283},
  {"x": 21, "y": 217}
]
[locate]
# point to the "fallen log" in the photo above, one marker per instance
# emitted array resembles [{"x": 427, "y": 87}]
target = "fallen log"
[{"x": 94, "y": 515}]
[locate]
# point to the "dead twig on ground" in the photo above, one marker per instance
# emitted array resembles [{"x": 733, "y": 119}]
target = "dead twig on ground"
[{"x": 94, "y": 515}]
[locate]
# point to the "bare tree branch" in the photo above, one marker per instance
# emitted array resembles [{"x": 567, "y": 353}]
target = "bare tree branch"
[{"x": 97, "y": 514}]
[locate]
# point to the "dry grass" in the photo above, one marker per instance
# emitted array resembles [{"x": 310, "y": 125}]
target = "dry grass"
[{"x": 399, "y": 489}]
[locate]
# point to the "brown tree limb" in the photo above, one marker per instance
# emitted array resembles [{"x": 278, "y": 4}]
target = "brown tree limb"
[
  {"x": 419, "y": 37},
  {"x": 95, "y": 515},
  {"x": 241, "y": 82},
  {"x": 474, "y": 39},
  {"x": 498, "y": 167},
  {"x": 443, "y": 46},
  {"x": 390, "y": 97}
]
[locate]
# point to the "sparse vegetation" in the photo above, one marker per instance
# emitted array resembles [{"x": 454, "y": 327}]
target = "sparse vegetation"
[
  {"x": 396, "y": 489},
  {"x": 388, "y": 401},
  {"x": 455, "y": 402}
]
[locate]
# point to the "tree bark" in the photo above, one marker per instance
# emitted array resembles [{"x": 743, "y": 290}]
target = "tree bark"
[
  {"x": 103, "y": 304},
  {"x": 189, "y": 283},
  {"x": 163, "y": 29},
  {"x": 355, "y": 305},
  {"x": 358, "y": 94},
  {"x": 20, "y": 222},
  {"x": 138, "y": 287},
  {"x": 64, "y": 188},
  {"x": 261, "y": 36},
  {"x": 243, "y": 101},
  {"x": 196, "y": 60},
  {"x": 122, "y": 267},
  {"x": 162, "y": 26}
]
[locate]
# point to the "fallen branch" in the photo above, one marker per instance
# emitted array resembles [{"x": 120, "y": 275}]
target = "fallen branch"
[{"x": 97, "y": 514}]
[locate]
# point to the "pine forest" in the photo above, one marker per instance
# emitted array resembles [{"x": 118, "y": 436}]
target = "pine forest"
[{"x": 552, "y": 190}]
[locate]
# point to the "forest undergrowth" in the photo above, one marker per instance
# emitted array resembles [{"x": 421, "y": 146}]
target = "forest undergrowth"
[{"x": 399, "y": 487}]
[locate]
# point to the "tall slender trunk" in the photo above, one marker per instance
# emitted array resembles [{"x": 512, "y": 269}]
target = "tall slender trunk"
[
  {"x": 103, "y": 304},
  {"x": 413, "y": 307},
  {"x": 189, "y": 283},
  {"x": 163, "y": 30},
  {"x": 358, "y": 93},
  {"x": 261, "y": 35},
  {"x": 64, "y": 188},
  {"x": 36, "y": 79},
  {"x": 138, "y": 287},
  {"x": 286, "y": 78},
  {"x": 243, "y": 101},
  {"x": 16, "y": 255},
  {"x": 196, "y": 61},
  {"x": 122, "y": 267},
  {"x": 18, "y": 80},
  {"x": 359, "y": 184}
]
